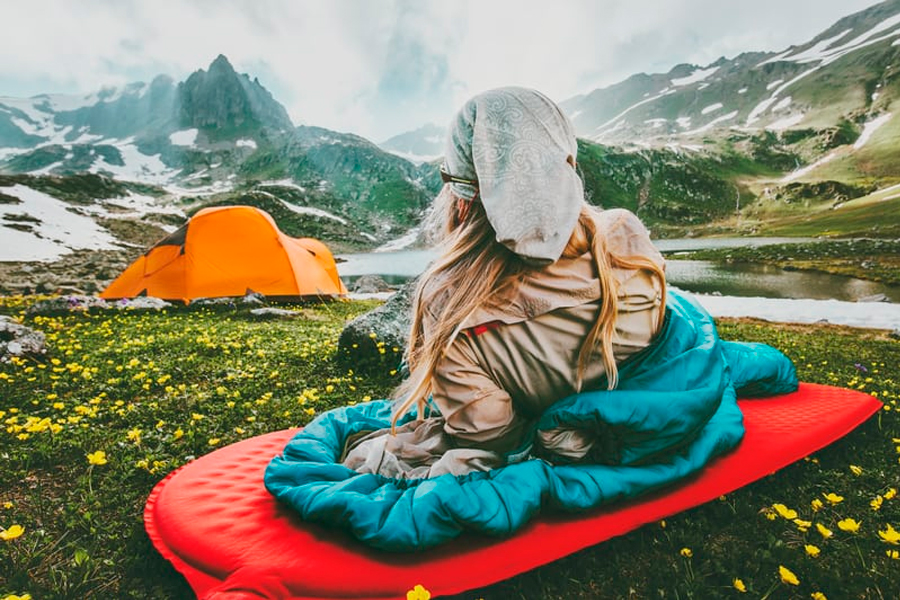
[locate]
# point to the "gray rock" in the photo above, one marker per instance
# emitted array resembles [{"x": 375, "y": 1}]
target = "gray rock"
[
  {"x": 69, "y": 303},
  {"x": 370, "y": 284},
  {"x": 212, "y": 302},
  {"x": 275, "y": 313},
  {"x": 390, "y": 323},
  {"x": 142, "y": 303},
  {"x": 895, "y": 334},
  {"x": 873, "y": 298},
  {"x": 254, "y": 298},
  {"x": 18, "y": 340}
]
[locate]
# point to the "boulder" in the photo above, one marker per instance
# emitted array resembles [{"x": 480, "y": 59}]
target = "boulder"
[
  {"x": 370, "y": 339},
  {"x": 370, "y": 284},
  {"x": 18, "y": 340}
]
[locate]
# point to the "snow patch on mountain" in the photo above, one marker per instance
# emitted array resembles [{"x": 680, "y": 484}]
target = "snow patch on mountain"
[
  {"x": 818, "y": 50},
  {"x": 246, "y": 143},
  {"x": 138, "y": 166},
  {"x": 782, "y": 104},
  {"x": 309, "y": 210},
  {"x": 185, "y": 137},
  {"x": 615, "y": 119},
  {"x": 48, "y": 169},
  {"x": 824, "y": 54},
  {"x": 870, "y": 128},
  {"x": 404, "y": 241},
  {"x": 711, "y": 108},
  {"x": 288, "y": 183},
  {"x": 695, "y": 77},
  {"x": 218, "y": 186},
  {"x": 713, "y": 123},
  {"x": 54, "y": 228},
  {"x": 786, "y": 122},
  {"x": 794, "y": 175}
]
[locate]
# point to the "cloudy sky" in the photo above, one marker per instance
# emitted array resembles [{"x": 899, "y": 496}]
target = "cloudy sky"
[{"x": 381, "y": 67}]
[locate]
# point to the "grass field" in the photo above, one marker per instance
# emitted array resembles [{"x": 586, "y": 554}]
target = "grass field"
[{"x": 123, "y": 398}]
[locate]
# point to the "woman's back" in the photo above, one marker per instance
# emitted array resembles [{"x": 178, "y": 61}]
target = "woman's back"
[{"x": 519, "y": 354}]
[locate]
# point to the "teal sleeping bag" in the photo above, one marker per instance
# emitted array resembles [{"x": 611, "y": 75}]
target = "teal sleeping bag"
[{"x": 674, "y": 410}]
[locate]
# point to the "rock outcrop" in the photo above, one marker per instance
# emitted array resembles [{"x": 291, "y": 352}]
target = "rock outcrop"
[
  {"x": 18, "y": 340},
  {"x": 377, "y": 339}
]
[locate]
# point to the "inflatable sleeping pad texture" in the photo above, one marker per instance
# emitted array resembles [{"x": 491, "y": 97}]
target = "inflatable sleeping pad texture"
[{"x": 215, "y": 522}]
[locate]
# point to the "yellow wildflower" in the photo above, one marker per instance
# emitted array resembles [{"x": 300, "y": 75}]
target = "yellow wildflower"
[
  {"x": 214, "y": 441},
  {"x": 816, "y": 504},
  {"x": 7, "y": 505},
  {"x": 784, "y": 511},
  {"x": 849, "y": 524},
  {"x": 12, "y": 533},
  {"x": 818, "y": 596},
  {"x": 134, "y": 435},
  {"x": 803, "y": 525},
  {"x": 890, "y": 535},
  {"x": 894, "y": 554},
  {"x": 787, "y": 576},
  {"x": 889, "y": 495},
  {"x": 856, "y": 470},
  {"x": 177, "y": 434},
  {"x": 812, "y": 550},
  {"x": 16, "y": 597},
  {"x": 418, "y": 592},
  {"x": 686, "y": 552},
  {"x": 824, "y": 531},
  {"x": 876, "y": 502},
  {"x": 833, "y": 498},
  {"x": 739, "y": 585},
  {"x": 97, "y": 458}
]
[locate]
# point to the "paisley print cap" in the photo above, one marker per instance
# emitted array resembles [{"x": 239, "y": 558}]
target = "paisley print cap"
[{"x": 515, "y": 142}]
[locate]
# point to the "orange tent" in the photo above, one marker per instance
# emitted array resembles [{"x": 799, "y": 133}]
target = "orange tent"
[{"x": 229, "y": 251}]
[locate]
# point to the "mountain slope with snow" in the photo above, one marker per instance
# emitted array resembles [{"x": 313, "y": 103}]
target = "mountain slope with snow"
[{"x": 849, "y": 71}]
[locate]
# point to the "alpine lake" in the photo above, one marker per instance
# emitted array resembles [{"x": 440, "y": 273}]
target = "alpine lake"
[{"x": 734, "y": 279}]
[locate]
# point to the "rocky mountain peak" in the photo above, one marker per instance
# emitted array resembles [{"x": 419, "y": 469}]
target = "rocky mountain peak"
[
  {"x": 221, "y": 65},
  {"x": 221, "y": 101}
]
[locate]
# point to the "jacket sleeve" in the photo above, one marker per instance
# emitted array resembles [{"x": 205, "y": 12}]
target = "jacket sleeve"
[{"x": 478, "y": 413}]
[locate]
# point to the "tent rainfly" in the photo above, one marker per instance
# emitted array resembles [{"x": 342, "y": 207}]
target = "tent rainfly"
[{"x": 230, "y": 251}]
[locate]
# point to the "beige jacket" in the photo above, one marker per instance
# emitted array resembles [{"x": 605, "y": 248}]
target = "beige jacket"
[{"x": 518, "y": 356}]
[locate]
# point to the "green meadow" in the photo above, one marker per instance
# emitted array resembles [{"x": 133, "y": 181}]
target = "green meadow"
[{"x": 122, "y": 398}]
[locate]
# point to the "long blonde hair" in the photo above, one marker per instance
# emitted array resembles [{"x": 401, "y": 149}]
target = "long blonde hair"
[{"x": 472, "y": 267}]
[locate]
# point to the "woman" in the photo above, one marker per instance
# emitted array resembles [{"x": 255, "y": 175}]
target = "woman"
[
  {"x": 549, "y": 368},
  {"x": 535, "y": 296}
]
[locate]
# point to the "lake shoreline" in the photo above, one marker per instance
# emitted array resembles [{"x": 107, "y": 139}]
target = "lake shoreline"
[{"x": 876, "y": 260}]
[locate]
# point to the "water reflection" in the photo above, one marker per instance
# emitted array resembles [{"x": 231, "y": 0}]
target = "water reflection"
[
  {"x": 702, "y": 277},
  {"x": 741, "y": 279}
]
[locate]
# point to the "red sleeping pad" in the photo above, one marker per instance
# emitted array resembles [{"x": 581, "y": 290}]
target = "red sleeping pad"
[{"x": 220, "y": 528}]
